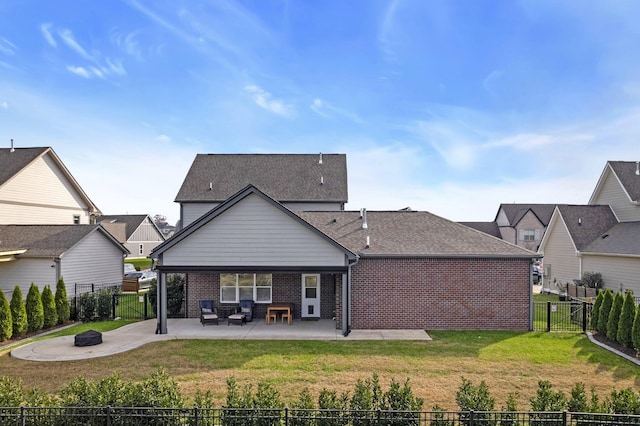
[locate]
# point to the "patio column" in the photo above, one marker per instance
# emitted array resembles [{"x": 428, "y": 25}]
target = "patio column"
[{"x": 162, "y": 304}]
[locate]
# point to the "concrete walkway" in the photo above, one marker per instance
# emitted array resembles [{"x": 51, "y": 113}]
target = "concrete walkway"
[{"x": 135, "y": 335}]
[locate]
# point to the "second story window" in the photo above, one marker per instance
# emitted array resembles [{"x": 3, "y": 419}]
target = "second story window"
[
  {"x": 141, "y": 249},
  {"x": 529, "y": 235},
  {"x": 76, "y": 219}
]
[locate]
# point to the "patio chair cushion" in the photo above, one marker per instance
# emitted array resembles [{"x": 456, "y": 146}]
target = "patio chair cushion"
[
  {"x": 209, "y": 316},
  {"x": 245, "y": 310},
  {"x": 206, "y": 310}
]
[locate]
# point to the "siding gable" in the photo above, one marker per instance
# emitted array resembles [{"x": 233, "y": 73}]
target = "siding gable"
[
  {"x": 560, "y": 254},
  {"x": 611, "y": 192},
  {"x": 253, "y": 232}
]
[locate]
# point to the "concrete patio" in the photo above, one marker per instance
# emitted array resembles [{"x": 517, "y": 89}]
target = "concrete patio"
[{"x": 135, "y": 335}]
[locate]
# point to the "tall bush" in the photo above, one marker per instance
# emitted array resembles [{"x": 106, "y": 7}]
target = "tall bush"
[
  {"x": 103, "y": 304},
  {"x": 35, "y": 311},
  {"x": 6, "y": 322},
  {"x": 592, "y": 279},
  {"x": 595, "y": 312},
  {"x": 62, "y": 302},
  {"x": 18, "y": 313},
  {"x": 614, "y": 316},
  {"x": 547, "y": 400},
  {"x": 49, "y": 308},
  {"x": 605, "y": 310},
  {"x": 635, "y": 331},
  {"x": 626, "y": 320},
  {"x": 477, "y": 398},
  {"x": 87, "y": 307}
]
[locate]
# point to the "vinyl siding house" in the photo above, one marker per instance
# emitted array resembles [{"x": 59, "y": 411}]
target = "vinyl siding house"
[
  {"x": 600, "y": 237},
  {"x": 138, "y": 233},
  {"x": 387, "y": 270},
  {"x": 36, "y": 188},
  {"x": 42, "y": 254}
]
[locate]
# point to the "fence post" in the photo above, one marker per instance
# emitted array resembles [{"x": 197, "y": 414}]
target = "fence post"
[
  {"x": 470, "y": 417},
  {"x": 378, "y": 412},
  {"x": 114, "y": 301},
  {"x": 584, "y": 317},
  {"x": 146, "y": 300},
  {"x": 548, "y": 316},
  {"x": 286, "y": 416},
  {"x": 108, "y": 410},
  {"x": 23, "y": 421},
  {"x": 195, "y": 412},
  {"x": 564, "y": 417}
]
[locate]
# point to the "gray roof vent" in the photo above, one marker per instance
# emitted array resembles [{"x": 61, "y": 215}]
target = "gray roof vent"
[
  {"x": 637, "y": 167},
  {"x": 368, "y": 242},
  {"x": 363, "y": 214},
  {"x": 320, "y": 159},
  {"x": 12, "y": 148}
]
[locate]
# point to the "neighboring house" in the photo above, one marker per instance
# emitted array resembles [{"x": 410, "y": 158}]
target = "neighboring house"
[
  {"x": 137, "y": 232},
  {"x": 42, "y": 254},
  {"x": 36, "y": 188},
  {"x": 520, "y": 224},
  {"x": 608, "y": 242},
  {"x": 298, "y": 181},
  {"x": 401, "y": 269}
]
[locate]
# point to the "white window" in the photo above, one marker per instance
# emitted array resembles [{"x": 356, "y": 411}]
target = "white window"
[
  {"x": 141, "y": 249},
  {"x": 529, "y": 235},
  {"x": 76, "y": 219},
  {"x": 236, "y": 287}
]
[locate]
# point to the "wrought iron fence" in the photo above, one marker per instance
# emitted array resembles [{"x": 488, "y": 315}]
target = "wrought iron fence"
[
  {"x": 562, "y": 316},
  {"x": 116, "y": 416},
  {"x": 132, "y": 306}
]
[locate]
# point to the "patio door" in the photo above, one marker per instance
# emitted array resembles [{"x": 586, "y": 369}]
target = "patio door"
[{"x": 310, "y": 296}]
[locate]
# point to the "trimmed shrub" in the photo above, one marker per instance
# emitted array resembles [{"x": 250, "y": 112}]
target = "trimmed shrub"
[
  {"x": 6, "y": 322},
  {"x": 103, "y": 304},
  {"x": 547, "y": 400},
  {"x": 624, "y": 401},
  {"x": 302, "y": 410},
  {"x": 592, "y": 279},
  {"x": 62, "y": 302},
  {"x": 614, "y": 316},
  {"x": 477, "y": 398},
  {"x": 49, "y": 308},
  {"x": 605, "y": 310},
  {"x": 87, "y": 307},
  {"x": 18, "y": 313},
  {"x": 635, "y": 331},
  {"x": 35, "y": 311},
  {"x": 625, "y": 324},
  {"x": 595, "y": 312}
]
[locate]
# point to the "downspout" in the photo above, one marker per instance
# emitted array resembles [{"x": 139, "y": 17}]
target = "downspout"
[
  {"x": 161, "y": 300},
  {"x": 346, "y": 301},
  {"x": 56, "y": 261},
  {"x": 531, "y": 313}
]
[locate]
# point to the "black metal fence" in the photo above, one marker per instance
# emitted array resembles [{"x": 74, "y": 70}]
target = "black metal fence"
[
  {"x": 562, "y": 316},
  {"x": 133, "y": 306},
  {"x": 116, "y": 416}
]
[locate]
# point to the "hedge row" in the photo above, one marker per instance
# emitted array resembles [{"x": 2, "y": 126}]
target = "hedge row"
[
  {"x": 617, "y": 318},
  {"x": 39, "y": 311}
]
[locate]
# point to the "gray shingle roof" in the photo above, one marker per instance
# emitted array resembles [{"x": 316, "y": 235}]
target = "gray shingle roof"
[
  {"x": 622, "y": 238},
  {"x": 409, "y": 233},
  {"x": 585, "y": 223},
  {"x": 515, "y": 212},
  {"x": 284, "y": 177},
  {"x": 626, "y": 173},
  {"x": 131, "y": 221},
  {"x": 12, "y": 162},
  {"x": 44, "y": 240},
  {"x": 490, "y": 228}
]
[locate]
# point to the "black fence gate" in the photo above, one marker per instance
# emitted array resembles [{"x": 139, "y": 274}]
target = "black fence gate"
[{"x": 572, "y": 316}]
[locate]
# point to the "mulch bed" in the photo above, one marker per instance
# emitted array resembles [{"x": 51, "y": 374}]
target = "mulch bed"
[{"x": 615, "y": 345}]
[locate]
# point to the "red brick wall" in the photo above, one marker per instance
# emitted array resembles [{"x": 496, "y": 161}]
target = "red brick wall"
[{"x": 433, "y": 294}]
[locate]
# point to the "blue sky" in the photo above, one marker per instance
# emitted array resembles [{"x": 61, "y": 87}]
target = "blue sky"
[{"x": 447, "y": 106}]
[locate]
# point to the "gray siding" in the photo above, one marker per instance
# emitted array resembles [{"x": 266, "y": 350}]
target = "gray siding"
[
  {"x": 95, "y": 260},
  {"x": 618, "y": 272},
  {"x": 254, "y": 232},
  {"x": 192, "y": 211},
  {"x": 147, "y": 235},
  {"x": 41, "y": 194},
  {"x": 23, "y": 272},
  {"x": 559, "y": 255},
  {"x": 611, "y": 193},
  {"x": 134, "y": 248}
]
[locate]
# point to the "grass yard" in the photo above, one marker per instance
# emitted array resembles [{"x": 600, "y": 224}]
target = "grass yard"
[{"x": 507, "y": 361}]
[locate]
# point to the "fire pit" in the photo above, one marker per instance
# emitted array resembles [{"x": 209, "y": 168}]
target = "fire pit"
[{"x": 88, "y": 338}]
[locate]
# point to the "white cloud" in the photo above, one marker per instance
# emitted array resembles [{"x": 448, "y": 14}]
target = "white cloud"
[
  {"x": 7, "y": 47},
  {"x": 487, "y": 83},
  {"x": 264, "y": 100},
  {"x": 79, "y": 71},
  {"x": 4, "y": 105},
  {"x": 45, "y": 29},
  {"x": 327, "y": 110},
  {"x": 163, "y": 138},
  {"x": 70, "y": 41}
]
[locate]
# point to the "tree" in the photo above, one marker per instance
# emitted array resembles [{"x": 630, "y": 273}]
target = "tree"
[
  {"x": 49, "y": 308},
  {"x": 614, "y": 316},
  {"x": 18, "y": 313},
  {"x": 6, "y": 322},
  {"x": 35, "y": 311},
  {"x": 625, "y": 324},
  {"x": 595, "y": 312},
  {"x": 635, "y": 331},
  {"x": 62, "y": 302},
  {"x": 605, "y": 310}
]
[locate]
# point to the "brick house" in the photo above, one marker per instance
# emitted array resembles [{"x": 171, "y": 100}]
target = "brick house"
[{"x": 367, "y": 269}]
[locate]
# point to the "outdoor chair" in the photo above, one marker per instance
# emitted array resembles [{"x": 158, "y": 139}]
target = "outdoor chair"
[
  {"x": 208, "y": 312},
  {"x": 246, "y": 308}
]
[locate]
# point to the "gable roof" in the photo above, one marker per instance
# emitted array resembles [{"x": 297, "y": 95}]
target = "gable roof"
[
  {"x": 490, "y": 228},
  {"x": 625, "y": 173},
  {"x": 229, "y": 203},
  {"x": 585, "y": 223},
  {"x": 409, "y": 234},
  {"x": 13, "y": 161},
  {"x": 131, "y": 222},
  {"x": 285, "y": 177},
  {"x": 621, "y": 238},
  {"x": 515, "y": 212},
  {"x": 48, "y": 240}
]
